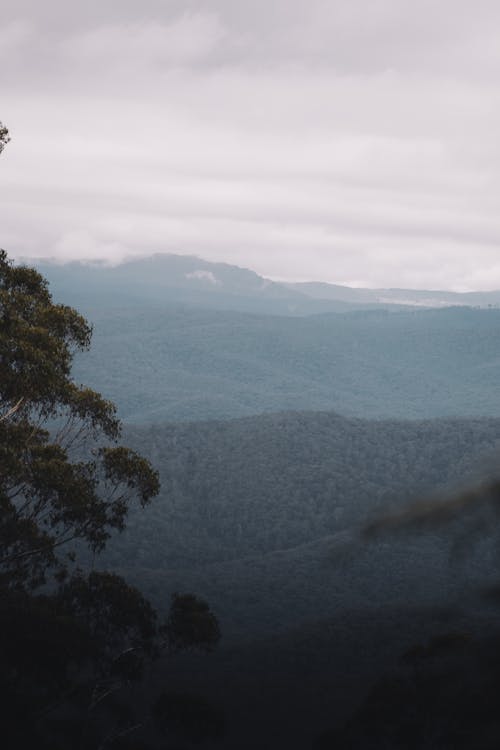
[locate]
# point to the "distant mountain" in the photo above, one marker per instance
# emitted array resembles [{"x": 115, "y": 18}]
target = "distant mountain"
[
  {"x": 409, "y": 297},
  {"x": 179, "y": 338},
  {"x": 167, "y": 279},
  {"x": 179, "y": 279}
]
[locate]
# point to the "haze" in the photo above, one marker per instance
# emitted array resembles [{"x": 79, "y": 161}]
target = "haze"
[{"x": 351, "y": 142}]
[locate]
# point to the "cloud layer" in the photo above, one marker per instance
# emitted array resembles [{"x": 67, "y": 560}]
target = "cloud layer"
[{"x": 353, "y": 142}]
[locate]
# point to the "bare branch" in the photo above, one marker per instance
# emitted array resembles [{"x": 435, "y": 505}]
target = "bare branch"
[{"x": 12, "y": 410}]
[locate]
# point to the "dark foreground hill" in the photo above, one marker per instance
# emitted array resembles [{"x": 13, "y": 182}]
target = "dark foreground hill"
[{"x": 162, "y": 364}]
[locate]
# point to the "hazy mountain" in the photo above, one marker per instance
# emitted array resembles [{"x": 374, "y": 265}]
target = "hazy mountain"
[
  {"x": 410, "y": 297},
  {"x": 179, "y": 279},
  {"x": 164, "y": 279}
]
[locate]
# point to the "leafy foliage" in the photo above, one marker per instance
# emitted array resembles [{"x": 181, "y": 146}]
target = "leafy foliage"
[{"x": 58, "y": 481}]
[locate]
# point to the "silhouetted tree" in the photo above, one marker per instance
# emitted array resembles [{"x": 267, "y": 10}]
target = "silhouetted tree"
[{"x": 70, "y": 640}]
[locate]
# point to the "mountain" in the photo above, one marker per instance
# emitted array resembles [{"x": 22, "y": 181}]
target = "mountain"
[
  {"x": 174, "y": 340},
  {"x": 189, "y": 280},
  {"x": 179, "y": 279},
  {"x": 398, "y": 297}
]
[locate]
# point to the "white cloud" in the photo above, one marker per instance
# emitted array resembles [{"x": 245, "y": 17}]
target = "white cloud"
[{"x": 203, "y": 276}]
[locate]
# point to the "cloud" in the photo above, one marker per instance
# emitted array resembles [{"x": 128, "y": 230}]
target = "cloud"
[
  {"x": 188, "y": 39},
  {"x": 14, "y": 37},
  {"x": 353, "y": 142},
  {"x": 203, "y": 276}
]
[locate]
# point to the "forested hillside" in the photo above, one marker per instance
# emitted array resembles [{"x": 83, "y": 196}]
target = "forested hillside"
[
  {"x": 254, "y": 512},
  {"x": 166, "y": 364},
  {"x": 261, "y": 484},
  {"x": 263, "y": 516}
]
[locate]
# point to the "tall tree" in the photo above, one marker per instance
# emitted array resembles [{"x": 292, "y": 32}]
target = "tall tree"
[
  {"x": 65, "y": 480},
  {"x": 63, "y": 477},
  {"x": 69, "y": 638}
]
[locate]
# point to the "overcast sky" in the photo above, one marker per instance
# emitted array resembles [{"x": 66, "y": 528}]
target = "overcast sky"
[{"x": 352, "y": 141}]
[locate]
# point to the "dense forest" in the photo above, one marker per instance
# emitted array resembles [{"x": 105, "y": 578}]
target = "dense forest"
[
  {"x": 262, "y": 484},
  {"x": 181, "y": 363},
  {"x": 264, "y": 515}
]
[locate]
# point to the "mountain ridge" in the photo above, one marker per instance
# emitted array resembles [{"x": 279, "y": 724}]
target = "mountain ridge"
[{"x": 194, "y": 280}]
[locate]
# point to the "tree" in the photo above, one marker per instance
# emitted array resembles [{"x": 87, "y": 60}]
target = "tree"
[
  {"x": 63, "y": 477},
  {"x": 70, "y": 640},
  {"x": 4, "y": 137}
]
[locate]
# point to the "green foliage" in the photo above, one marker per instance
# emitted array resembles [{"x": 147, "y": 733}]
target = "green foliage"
[
  {"x": 58, "y": 482},
  {"x": 38, "y": 340},
  {"x": 4, "y": 137}
]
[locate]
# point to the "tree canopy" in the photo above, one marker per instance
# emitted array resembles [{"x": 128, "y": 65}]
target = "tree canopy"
[
  {"x": 69, "y": 637},
  {"x": 63, "y": 475}
]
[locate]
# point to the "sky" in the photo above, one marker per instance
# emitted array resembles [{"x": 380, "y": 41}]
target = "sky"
[{"x": 349, "y": 141}]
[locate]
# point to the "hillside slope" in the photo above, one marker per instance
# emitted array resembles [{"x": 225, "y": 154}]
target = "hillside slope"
[
  {"x": 262, "y": 515},
  {"x": 172, "y": 364}
]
